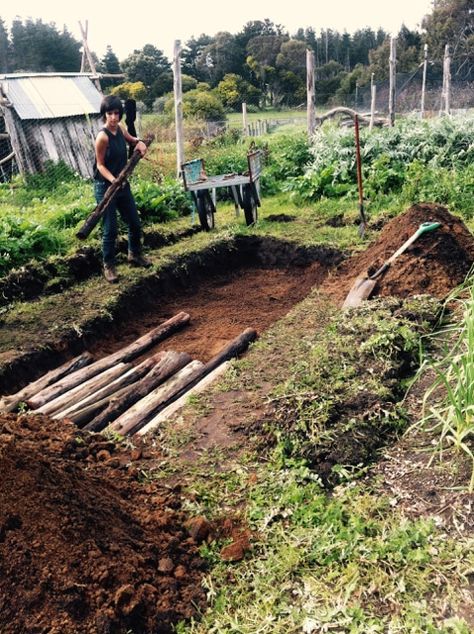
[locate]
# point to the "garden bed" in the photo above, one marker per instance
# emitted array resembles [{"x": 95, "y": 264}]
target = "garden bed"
[{"x": 320, "y": 390}]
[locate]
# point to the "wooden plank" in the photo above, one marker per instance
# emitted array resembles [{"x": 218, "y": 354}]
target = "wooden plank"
[{"x": 232, "y": 349}]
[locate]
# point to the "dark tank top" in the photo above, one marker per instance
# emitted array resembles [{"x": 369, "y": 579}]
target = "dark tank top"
[{"x": 115, "y": 155}]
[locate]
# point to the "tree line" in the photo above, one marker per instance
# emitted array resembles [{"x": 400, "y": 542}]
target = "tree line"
[{"x": 262, "y": 64}]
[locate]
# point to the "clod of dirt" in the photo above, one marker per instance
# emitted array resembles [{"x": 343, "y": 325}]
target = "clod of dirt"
[
  {"x": 434, "y": 264},
  {"x": 84, "y": 547},
  {"x": 280, "y": 218}
]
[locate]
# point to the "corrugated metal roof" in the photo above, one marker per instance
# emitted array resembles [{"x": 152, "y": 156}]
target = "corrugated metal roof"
[{"x": 51, "y": 97}]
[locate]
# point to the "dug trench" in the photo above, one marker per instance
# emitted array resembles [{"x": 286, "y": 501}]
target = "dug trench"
[
  {"x": 64, "y": 489},
  {"x": 244, "y": 282}
]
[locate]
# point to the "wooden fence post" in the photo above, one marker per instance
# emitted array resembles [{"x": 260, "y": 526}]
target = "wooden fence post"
[
  {"x": 310, "y": 92},
  {"x": 423, "y": 85},
  {"x": 446, "y": 97},
  {"x": 373, "y": 96},
  {"x": 244, "y": 118},
  {"x": 178, "y": 106},
  {"x": 393, "y": 80}
]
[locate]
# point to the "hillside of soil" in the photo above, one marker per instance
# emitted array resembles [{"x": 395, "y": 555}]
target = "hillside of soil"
[
  {"x": 434, "y": 264},
  {"x": 84, "y": 546}
]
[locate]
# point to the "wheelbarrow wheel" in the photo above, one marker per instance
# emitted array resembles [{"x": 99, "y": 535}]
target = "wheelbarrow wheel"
[
  {"x": 206, "y": 210},
  {"x": 250, "y": 205}
]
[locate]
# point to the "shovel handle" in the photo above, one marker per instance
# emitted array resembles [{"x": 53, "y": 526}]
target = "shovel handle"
[{"x": 423, "y": 228}]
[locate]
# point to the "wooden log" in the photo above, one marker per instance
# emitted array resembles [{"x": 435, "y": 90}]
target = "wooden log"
[
  {"x": 139, "y": 414},
  {"x": 232, "y": 349},
  {"x": 169, "y": 410},
  {"x": 112, "y": 190},
  {"x": 131, "y": 376},
  {"x": 342, "y": 110},
  {"x": 167, "y": 366},
  {"x": 9, "y": 403},
  {"x": 84, "y": 389},
  {"x": 124, "y": 354},
  {"x": 87, "y": 413}
]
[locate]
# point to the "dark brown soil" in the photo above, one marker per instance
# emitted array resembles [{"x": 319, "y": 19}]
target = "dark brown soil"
[
  {"x": 221, "y": 308},
  {"x": 84, "y": 546},
  {"x": 435, "y": 264},
  {"x": 87, "y": 547}
]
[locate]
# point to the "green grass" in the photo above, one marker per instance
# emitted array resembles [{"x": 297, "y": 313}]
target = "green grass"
[
  {"x": 344, "y": 563},
  {"x": 448, "y": 404}
]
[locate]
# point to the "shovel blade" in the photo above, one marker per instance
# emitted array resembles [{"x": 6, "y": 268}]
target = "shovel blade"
[{"x": 361, "y": 289}]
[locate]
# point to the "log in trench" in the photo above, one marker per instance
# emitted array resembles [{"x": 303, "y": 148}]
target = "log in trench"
[{"x": 112, "y": 392}]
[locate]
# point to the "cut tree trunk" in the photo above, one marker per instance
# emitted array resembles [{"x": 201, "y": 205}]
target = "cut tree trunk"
[
  {"x": 87, "y": 413},
  {"x": 140, "y": 413},
  {"x": 112, "y": 190},
  {"x": 124, "y": 354},
  {"x": 232, "y": 349},
  {"x": 81, "y": 391},
  {"x": 168, "y": 365},
  {"x": 130, "y": 377},
  {"x": 9, "y": 403},
  {"x": 169, "y": 410}
]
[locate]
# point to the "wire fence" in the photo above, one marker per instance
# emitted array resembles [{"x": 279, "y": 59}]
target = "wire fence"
[{"x": 68, "y": 142}]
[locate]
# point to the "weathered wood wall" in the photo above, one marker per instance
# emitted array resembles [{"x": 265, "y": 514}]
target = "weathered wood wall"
[{"x": 69, "y": 139}]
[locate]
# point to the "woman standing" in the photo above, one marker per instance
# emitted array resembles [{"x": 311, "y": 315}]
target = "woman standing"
[{"x": 111, "y": 158}]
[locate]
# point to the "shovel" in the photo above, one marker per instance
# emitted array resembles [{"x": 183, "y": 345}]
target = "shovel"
[{"x": 363, "y": 286}]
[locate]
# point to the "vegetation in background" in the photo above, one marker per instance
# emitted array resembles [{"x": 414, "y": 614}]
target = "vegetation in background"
[
  {"x": 430, "y": 160},
  {"x": 262, "y": 64},
  {"x": 416, "y": 160}
]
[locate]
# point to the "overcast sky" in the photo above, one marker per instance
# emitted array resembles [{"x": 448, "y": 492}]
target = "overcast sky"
[{"x": 160, "y": 23}]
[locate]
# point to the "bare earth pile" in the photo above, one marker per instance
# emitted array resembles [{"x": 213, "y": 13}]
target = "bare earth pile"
[
  {"x": 435, "y": 264},
  {"x": 85, "y": 547}
]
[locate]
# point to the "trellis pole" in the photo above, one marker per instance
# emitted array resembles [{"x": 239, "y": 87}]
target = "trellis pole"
[
  {"x": 178, "y": 106},
  {"x": 244, "y": 118},
  {"x": 310, "y": 100},
  {"x": 393, "y": 80},
  {"x": 423, "y": 86},
  {"x": 88, "y": 55},
  {"x": 373, "y": 96},
  {"x": 446, "y": 97}
]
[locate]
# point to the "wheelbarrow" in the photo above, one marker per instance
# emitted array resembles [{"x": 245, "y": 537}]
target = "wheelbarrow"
[{"x": 245, "y": 189}]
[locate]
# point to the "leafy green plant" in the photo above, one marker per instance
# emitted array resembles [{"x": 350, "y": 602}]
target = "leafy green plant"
[
  {"x": 160, "y": 202},
  {"x": 388, "y": 154},
  {"x": 452, "y": 415}
]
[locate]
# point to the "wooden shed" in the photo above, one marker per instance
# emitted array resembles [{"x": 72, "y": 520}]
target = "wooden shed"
[{"x": 51, "y": 117}]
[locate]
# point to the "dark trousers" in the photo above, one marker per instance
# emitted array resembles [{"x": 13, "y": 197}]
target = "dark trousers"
[{"x": 125, "y": 203}]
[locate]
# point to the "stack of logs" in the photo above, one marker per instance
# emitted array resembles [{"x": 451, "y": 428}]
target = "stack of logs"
[{"x": 113, "y": 393}]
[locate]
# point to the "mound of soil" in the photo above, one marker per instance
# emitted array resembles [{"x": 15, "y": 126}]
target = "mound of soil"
[
  {"x": 435, "y": 263},
  {"x": 84, "y": 546}
]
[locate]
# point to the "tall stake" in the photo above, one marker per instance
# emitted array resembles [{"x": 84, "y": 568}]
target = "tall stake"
[
  {"x": 244, "y": 119},
  {"x": 310, "y": 110},
  {"x": 89, "y": 57},
  {"x": 373, "y": 95},
  {"x": 363, "y": 221},
  {"x": 393, "y": 79},
  {"x": 423, "y": 86},
  {"x": 447, "y": 80},
  {"x": 178, "y": 106}
]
